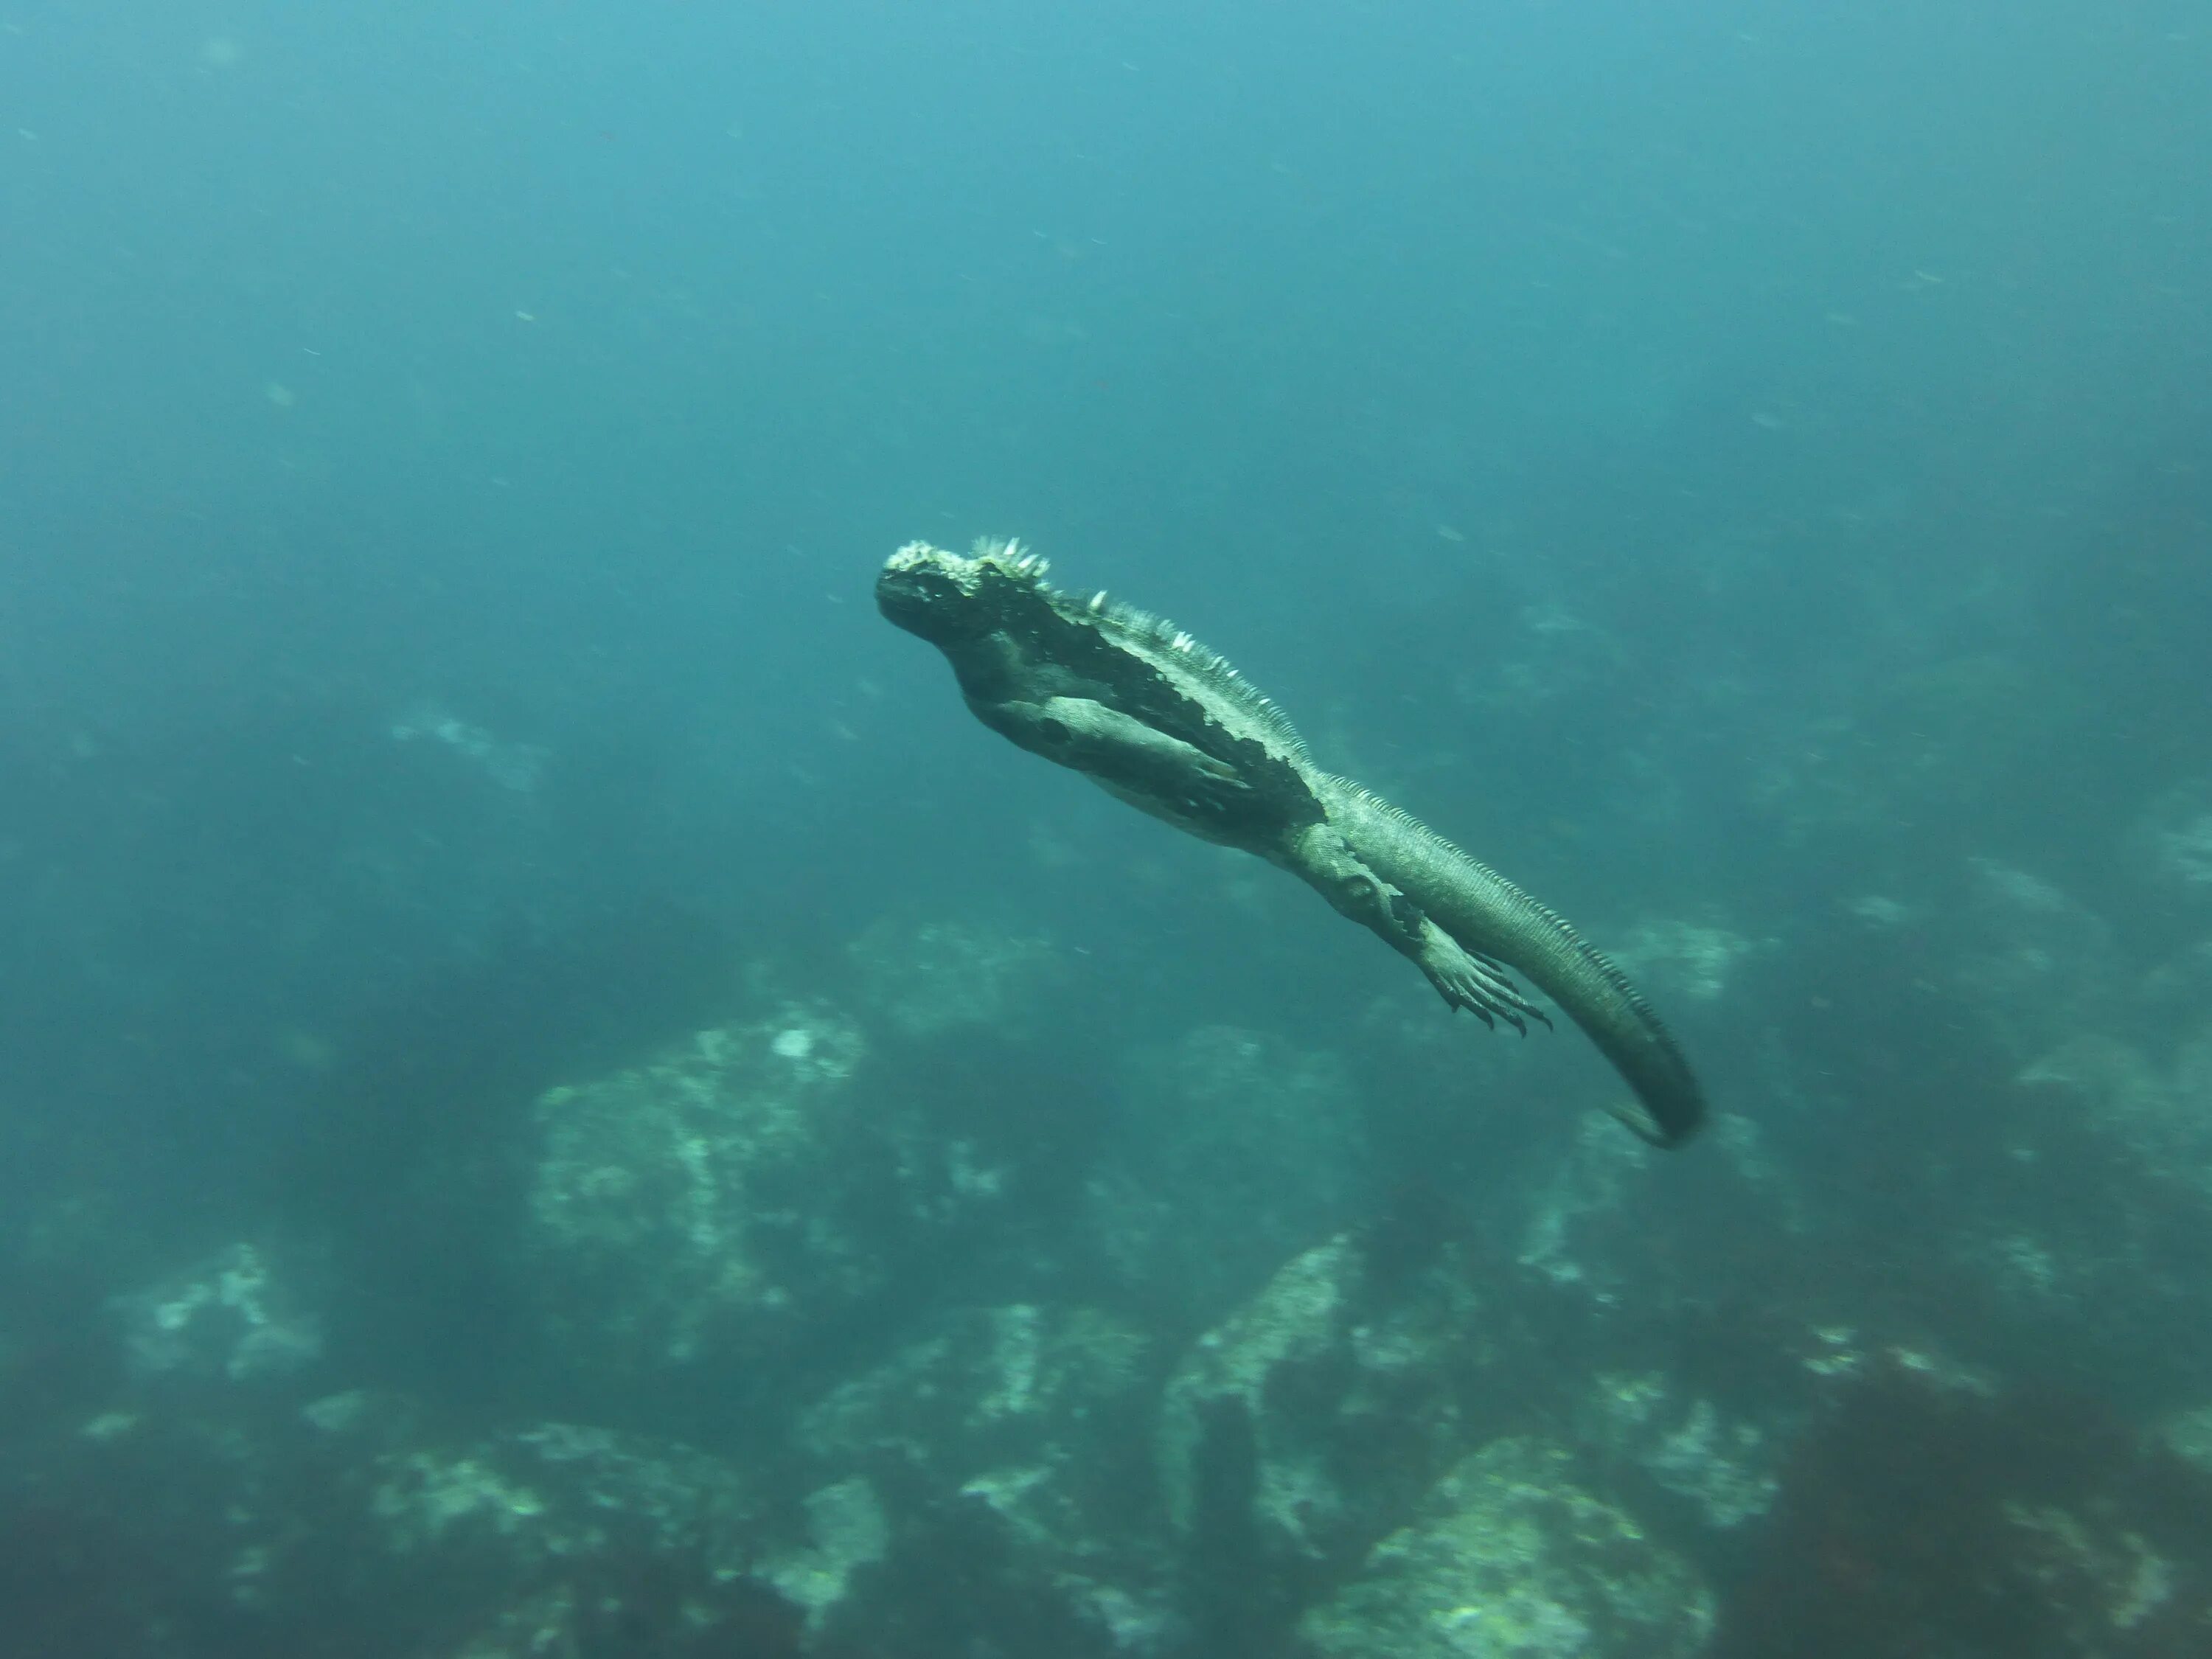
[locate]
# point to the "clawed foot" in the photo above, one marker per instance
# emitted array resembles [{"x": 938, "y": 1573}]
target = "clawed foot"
[
  {"x": 1477, "y": 984},
  {"x": 1215, "y": 782}
]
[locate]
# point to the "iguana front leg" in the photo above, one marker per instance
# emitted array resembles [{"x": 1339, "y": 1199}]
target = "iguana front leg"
[
  {"x": 1320, "y": 855},
  {"x": 1117, "y": 750}
]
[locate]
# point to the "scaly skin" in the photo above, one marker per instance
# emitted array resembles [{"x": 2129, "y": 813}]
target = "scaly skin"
[{"x": 1151, "y": 716}]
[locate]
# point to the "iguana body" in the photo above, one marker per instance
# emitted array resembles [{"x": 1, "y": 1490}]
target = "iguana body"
[{"x": 1152, "y": 716}]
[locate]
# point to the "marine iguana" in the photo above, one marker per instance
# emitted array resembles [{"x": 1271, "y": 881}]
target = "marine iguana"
[{"x": 1151, "y": 715}]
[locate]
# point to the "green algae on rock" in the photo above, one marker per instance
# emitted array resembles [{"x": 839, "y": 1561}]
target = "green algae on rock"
[{"x": 1516, "y": 1561}]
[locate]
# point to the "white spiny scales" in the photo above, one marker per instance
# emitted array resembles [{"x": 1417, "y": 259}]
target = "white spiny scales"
[{"x": 1145, "y": 630}]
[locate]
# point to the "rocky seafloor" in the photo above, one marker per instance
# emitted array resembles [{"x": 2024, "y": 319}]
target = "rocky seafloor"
[{"x": 880, "y": 1317}]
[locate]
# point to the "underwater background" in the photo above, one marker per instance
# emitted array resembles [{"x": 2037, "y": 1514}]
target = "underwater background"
[{"x": 558, "y": 1094}]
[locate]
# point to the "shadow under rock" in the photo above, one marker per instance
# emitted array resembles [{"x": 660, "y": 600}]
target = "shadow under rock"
[
  {"x": 412, "y": 1160},
  {"x": 1922, "y": 1516}
]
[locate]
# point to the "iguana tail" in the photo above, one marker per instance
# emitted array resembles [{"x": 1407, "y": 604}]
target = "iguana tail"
[{"x": 1491, "y": 917}]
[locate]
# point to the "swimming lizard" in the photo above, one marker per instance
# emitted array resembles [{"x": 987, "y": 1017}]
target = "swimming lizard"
[{"x": 1151, "y": 715}]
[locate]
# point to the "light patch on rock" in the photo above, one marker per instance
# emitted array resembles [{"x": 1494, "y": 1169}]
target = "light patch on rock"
[
  {"x": 1296, "y": 1316},
  {"x": 1687, "y": 959},
  {"x": 846, "y": 1530},
  {"x": 1514, "y": 1560},
  {"x": 942, "y": 975},
  {"x": 227, "y": 1317},
  {"x": 1724, "y": 1467},
  {"x": 423, "y": 1496},
  {"x": 664, "y": 1191}
]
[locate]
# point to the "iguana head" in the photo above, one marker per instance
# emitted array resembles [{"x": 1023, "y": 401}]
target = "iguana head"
[{"x": 946, "y": 598}]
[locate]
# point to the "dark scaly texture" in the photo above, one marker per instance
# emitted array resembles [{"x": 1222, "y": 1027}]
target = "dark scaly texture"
[{"x": 1157, "y": 718}]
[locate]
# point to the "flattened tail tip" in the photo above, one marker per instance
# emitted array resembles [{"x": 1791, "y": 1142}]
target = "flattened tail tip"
[{"x": 1668, "y": 1121}]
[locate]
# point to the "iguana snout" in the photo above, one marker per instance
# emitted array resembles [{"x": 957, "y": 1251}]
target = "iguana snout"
[
  {"x": 925, "y": 592},
  {"x": 945, "y": 598}
]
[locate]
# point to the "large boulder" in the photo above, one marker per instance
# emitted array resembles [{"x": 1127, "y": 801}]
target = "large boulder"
[{"x": 1513, "y": 1557}]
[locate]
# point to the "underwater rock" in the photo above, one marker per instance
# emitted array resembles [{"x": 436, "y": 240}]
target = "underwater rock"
[
  {"x": 554, "y": 1538},
  {"x": 1235, "y": 1148},
  {"x": 2171, "y": 843},
  {"x": 2112, "y": 1175},
  {"x": 1923, "y": 1514},
  {"x": 2161, "y": 1117},
  {"x": 2033, "y": 960},
  {"x": 1019, "y": 1382},
  {"x": 1300, "y": 1319},
  {"x": 1576, "y": 1217},
  {"x": 228, "y": 1527},
  {"x": 846, "y": 1531},
  {"x": 691, "y": 1201},
  {"x": 515, "y": 766},
  {"x": 2188, "y": 1435},
  {"x": 1306, "y": 1425},
  {"x": 229, "y": 1316},
  {"x": 1687, "y": 960},
  {"x": 1003, "y": 1432},
  {"x": 941, "y": 975},
  {"x": 556, "y": 1491},
  {"x": 1725, "y": 1466},
  {"x": 2058, "y": 1219},
  {"x": 2180, "y": 988},
  {"x": 1515, "y": 1560}
]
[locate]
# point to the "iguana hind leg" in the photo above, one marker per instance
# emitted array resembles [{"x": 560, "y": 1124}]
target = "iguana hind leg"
[
  {"x": 1464, "y": 978},
  {"x": 1468, "y": 980}
]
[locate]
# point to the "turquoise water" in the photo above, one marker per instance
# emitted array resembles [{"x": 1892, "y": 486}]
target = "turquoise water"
[{"x": 524, "y": 1001}]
